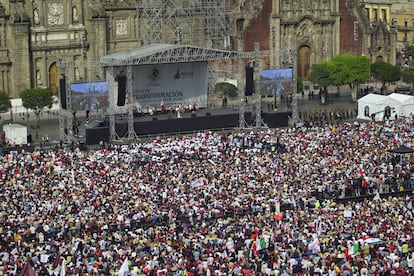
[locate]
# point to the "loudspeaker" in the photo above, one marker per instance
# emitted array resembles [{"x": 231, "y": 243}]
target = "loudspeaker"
[
  {"x": 193, "y": 115},
  {"x": 249, "y": 81},
  {"x": 121, "y": 79},
  {"x": 208, "y": 114},
  {"x": 154, "y": 118},
  {"x": 62, "y": 89},
  {"x": 29, "y": 138}
]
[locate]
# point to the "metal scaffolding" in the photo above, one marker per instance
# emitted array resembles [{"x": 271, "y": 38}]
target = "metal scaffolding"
[
  {"x": 173, "y": 54},
  {"x": 201, "y": 23}
]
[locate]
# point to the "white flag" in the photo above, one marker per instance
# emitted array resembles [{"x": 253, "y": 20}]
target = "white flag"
[
  {"x": 124, "y": 268},
  {"x": 377, "y": 197},
  {"x": 63, "y": 268},
  {"x": 197, "y": 183}
]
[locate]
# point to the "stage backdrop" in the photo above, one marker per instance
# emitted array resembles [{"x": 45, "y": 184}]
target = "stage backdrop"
[{"x": 170, "y": 84}]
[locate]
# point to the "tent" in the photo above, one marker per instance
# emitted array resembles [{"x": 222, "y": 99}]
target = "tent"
[
  {"x": 371, "y": 104},
  {"x": 376, "y": 106},
  {"x": 403, "y": 104}
]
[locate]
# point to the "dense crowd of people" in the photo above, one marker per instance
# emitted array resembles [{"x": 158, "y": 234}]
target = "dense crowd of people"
[{"x": 239, "y": 203}]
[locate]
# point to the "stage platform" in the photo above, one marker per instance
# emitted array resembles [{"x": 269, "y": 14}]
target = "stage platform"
[{"x": 203, "y": 119}]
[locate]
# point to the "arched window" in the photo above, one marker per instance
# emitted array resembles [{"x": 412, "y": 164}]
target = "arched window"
[
  {"x": 387, "y": 112},
  {"x": 366, "y": 111}
]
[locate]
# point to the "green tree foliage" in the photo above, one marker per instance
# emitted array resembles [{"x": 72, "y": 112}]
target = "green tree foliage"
[
  {"x": 321, "y": 73},
  {"x": 409, "y": 51},
  {"x": 227, "y": 89},
  {"x": 407, "y": 75},
  {"x": 351, "y": 69},
  {"x": 5, "y": 103},
  {"x": 37, "y": 99},
  {"x": 385, "y": 72},
  {"x": 299, "y": 85}
]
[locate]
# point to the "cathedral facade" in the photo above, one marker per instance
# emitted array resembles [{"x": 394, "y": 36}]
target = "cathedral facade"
[
  {"x": 309, "y": 28},
  {"x": 37, "y": 36}
]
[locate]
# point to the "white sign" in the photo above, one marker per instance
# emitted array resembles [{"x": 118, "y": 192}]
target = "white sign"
[{"x": 172, "y": 84}]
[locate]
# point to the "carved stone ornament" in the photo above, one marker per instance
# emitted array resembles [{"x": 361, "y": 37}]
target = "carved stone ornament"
[
  {"x": 121, "y": 27},
  {"x": 55, "y": 14}
]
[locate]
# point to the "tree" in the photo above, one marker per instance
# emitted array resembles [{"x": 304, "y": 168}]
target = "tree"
[
  {"x": 407, "y": 75},
  {"x": 228, "y": 89},
  {"x": 37, "y": 99},
  {"x": 321, "y": 73},
  {"x": 351, "y": 70},
  {"x": 409, "y": 51},
  {"x": 385, "y": 72},
  {"x": 5, "y": 103},
  {"x": 299, "y": 85}
]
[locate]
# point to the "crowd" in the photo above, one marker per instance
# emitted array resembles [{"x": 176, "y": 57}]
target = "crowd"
[{"x": 242, "y": 203}]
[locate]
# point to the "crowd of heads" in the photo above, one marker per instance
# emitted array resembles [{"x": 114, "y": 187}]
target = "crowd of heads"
[{"x": 303, "y": 201}]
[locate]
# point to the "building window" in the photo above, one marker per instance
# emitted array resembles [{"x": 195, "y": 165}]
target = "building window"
[
  {"x": 394, "y": 21},
  {"x": 368, "y": 15},
  {"x": 384, "y": 15},
  {"x": 375, "y": 15},
  {"x": 405, "y": 36},
  {"x": 405, "y": 23}
]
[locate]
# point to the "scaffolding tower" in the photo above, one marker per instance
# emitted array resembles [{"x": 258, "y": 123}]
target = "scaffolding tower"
[{"x": 203, "y": 23}]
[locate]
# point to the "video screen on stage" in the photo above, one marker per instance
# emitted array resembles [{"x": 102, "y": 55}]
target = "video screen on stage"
[
  {"x": 89, "y": 96},
  {"x": 276, "y": 82}
]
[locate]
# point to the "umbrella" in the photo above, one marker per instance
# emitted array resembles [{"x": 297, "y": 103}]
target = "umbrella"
[{"x": 402, "y": 150}]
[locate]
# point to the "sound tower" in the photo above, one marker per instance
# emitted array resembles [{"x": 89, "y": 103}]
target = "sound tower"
[
  {"x": 62, "y": 88},
  {"x": 249, "y": 81},
  {"x": 121, "y": 79}
]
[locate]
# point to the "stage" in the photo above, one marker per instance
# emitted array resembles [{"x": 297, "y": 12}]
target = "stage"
[{"x": 202, "y": 119}]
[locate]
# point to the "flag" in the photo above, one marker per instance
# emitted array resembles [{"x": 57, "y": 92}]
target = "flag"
[
  {"x": 396, "y": 138},
  {"x": 361, "y": 168},
  {"x": 57, "y": 260},
  {"x": 124, "y": 268},
  {"x": 260, "y": 243},
  {"x": 355, "y": 248},
  {"x": 197, "y": 183},
  {"x": 27, "y": 270},
  {"x": 315, "y": 246},
  {"x": 376, "y": 197},
  {"x": 63, "y": 268}
]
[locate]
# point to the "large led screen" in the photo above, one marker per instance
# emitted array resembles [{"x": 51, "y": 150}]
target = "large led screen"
[
  {"x": 89, "y": 96},
  {"x": 276, "y": 82}
]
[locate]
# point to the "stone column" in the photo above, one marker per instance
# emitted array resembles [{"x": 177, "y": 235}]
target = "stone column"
[{"x": 19, "y": 54}]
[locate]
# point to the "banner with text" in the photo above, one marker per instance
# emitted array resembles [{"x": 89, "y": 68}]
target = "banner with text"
[{"x": 170, "y": 84}]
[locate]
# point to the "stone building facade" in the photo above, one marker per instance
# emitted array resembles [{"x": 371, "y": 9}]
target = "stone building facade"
[
  {"x": 35, "y": 35},
  {"x": 402, "y": 18},
  {"x": 310, "y": 28},
  {"x": 366, "y": 29}
]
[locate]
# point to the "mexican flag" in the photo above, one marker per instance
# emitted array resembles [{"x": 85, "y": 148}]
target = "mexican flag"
[
  {"x": 260, "y": 243},
  {"x": 361, "y": 169},
  {"x": 396, "y": 137}
]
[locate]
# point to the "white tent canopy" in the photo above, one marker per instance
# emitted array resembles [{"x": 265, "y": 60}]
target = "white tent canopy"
[
  {"x": 374, "y": 106},
  {"x": 371, "y": 104},
  {"x": 404, "y": 103}
]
